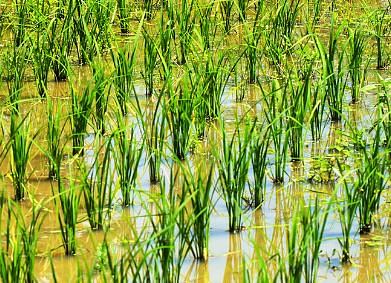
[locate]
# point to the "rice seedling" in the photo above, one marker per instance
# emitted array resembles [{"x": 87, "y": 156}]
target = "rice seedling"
[
  {"x": 380, "y": 21},
  {"x": 66, "y": 201},
  {"x": 385, "y": 110},
  {"x": 298, "y": 102},
  {"x": 148, "y": 9},
  {"x": 333, "y": 73},
  {"x": 259, "y": 148},
  {"x": 185, "y": 21},
  {"x": 179, "y": 113},
  {"x": 154, "y": 131},
  {"x": 371, "y": 182},
  {"x": 22, "y": 141},
  {"x": 275, "y": 113},
  {"x": 252, "y": 39},
  {"x": 233, "y": 161},
  {"x": 97, "y": 187},
  {"x": 357, "y": 44},
  {"x": 61, "y": 30},
  {"x": 317, "y": 111},
  {"x": 242, "y": 7},
  {"x": 226, "y": 9},
  {"x": 123, "y": 15},
  {"x": 54, "y": 134},
  {"x": 127, "y": 155},
  {"x": 201, "y": 191},
  {"x": 207, "y": 23},
  {"x": 171, "y": 231},
  {"x": 347, "y": 209},
  {"x": 150, "y": 62},
  {"x": 124, "y": 61},
  {"x": 101, "y": 95},
  {"x": 21, "y": 9},
  {"x": 82, "y": 107}
]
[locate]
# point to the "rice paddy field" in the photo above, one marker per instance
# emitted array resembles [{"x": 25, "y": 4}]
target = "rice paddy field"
[{"x": 195, "y": 141}]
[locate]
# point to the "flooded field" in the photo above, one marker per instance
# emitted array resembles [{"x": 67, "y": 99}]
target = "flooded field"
[{"x": 195, "y": 141}]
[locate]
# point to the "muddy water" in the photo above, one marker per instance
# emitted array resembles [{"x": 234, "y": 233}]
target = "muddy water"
[{"x": 266, "y": 228}]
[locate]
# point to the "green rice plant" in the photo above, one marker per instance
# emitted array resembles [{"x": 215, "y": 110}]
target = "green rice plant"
[
  {"x": 12, "y": 265},
  {"x": 60, "y": 42},
  {"x": 82, "y": 107},
  {"x": 304, "y": 237},
  {"x": 21, "y": 9},
  {"x": 127, "y": 154},
  {"x": 313, "y": 13},
  {"x": 276, "y": 112},
  {"x": 380, "y": 20},
  {"x": 97, "y": 187},
  {"x": 298, "y": 101},
  {"x": 166, "y": 38},
  {"x": 41, "y": 47},
  {"x": 371, "y": 181},
  {"x": 22, "y": 142},
  {"x": 150, "y": 62},
  {"x": 123, "y": 15},
  {"x": 215, "y": 78},
  {"x": 333, "y": 72},
  {"x": 101, "y": 95},
  {"x": 259, "y": 149},
  {"x": 66, "y": 201},
  {"x": 171, "y": 230},
  {"x": 103, "y": 13},
  {"x": 242, "y": 7},
  {"x": 357, "y": 44},
  {"x": 347, "y": 209},
  {"x": 201, "y": 189},
  {"x": 179, "y": 111},
  {"x": 54, "y": 134},
  {"x": 154, "y": 132},
  {"x": 252, "y": 39},
  {"x": 233, "y": 161},
  {"x": 226, "y": 9},
  {"x": 148, "y": 9},
  {"x": 124, "y": 61},
  {"x": 385, "y": 109},
  {"x": 207, "y": 23},
  {"x": 317, "y": 110},
  {"x": 185, "y": 20}
]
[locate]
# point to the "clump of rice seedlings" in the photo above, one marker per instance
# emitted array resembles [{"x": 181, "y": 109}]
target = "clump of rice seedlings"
[
  {"x": 298, "y": 102},
  {"x": 371, "y": 181},
  {"x": 123, "y": 61},
  {"x": 216, "y": 78},
  {"x": 97, "y": 187},
  {"x": 82, "y": 107},
  {"x": 54, "y": 134},
  {"x": 123, "y": 15},
  {"x": 171, "y": 230},
  {"x": 304, "y": 237},
  {"x": 357, "y": 44},
  {"x": 61, "y": 30},
  {"x": 185, "y": 21},
  {"x": 21, "y": 9},
  {"x": 127, "y": 155},
  {"x": 154, "y": 132},
  {"x": 275, "y": 113},
  {"x": 385, "y": 109},
  {"x": 333, "y": 72},
  {"x": 201, "y": 191},
  {"x": 317, "y": 110},
  {"x": 242, "y": 7},
  {"x": 380, "y": 20},
  {"x": 166, "y": 37},
  {"x": 103, "y": 11},
  {"x": 41, "y": 49},
  {"x": 233, "y": 161},
  {"x": 252, "y": 39},
  {"x": 259, "y": 149},
  {"x": 101, "y": 96},
  {"x": 226, "y": 9},
  {"x": 21, "y": 144},
  {"x": 347, "y": 209},
  {"x": 207, "y": 23},
  {"x": 148, "y": 9},
  {"x": 66, "y": 201},
  {"x": 150, "y": 62},
  {"x": 179, "y": 111}
]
